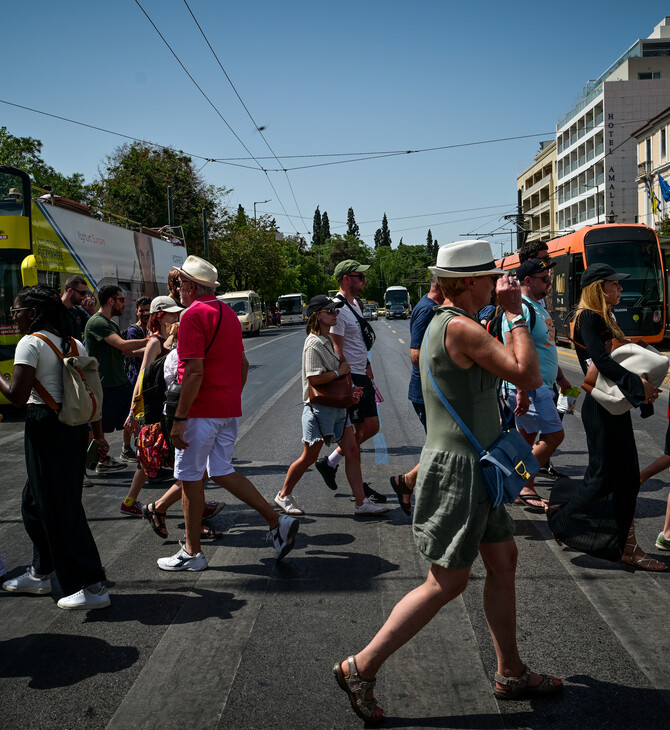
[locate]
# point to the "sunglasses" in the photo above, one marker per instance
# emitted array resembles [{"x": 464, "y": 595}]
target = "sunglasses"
[
  {"x": 14, "y": 310},
  {"x": 362, "y": 277},
  {"x": 334, "y": 312},
  {"x": 545, "y": 278},
  {"x": 176, "y": 283},
  {"x": 81, "y": 292}
]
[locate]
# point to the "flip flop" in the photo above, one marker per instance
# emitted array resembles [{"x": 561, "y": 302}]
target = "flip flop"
[
  {"x": 401, "y": 489},
  {"x": 526, "y": 499}
]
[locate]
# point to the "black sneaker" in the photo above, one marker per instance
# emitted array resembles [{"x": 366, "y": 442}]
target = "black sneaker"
[
  {"x": 327, "y": 471},
  {"x": 551, "y": 472},
  {"x": 372, "y": 495}
]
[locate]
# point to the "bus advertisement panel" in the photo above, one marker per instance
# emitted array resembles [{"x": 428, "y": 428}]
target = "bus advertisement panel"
[{"x": 630, "y": 248}]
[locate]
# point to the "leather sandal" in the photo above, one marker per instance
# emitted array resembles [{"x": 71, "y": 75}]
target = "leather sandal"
[
  {"x": 401, "y": 489},
  {"x": 519, "y": 689},
  {"x": 644, "y": 562},
  {"x": 357, "y": 689},
  {"x": 149, "y": 512}
]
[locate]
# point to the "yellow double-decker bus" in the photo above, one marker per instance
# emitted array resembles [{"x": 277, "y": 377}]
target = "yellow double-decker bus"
[{"x": 46, "y": 239}]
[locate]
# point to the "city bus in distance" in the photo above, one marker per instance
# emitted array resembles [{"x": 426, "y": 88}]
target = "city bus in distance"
[
  {"x": 332, "y": 293},
  {"x": 630, "y": 248},
  {"x": 44, "y": 240},
  {"x": 247, "y": 307},
  {"x": 293, "y": 308},
  {"x": 396, "y": 301}
]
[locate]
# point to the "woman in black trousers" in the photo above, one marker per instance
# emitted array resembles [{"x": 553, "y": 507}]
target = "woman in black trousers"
[
  {"x": 598, "y": 519},
  {"x": 55, "y": 453}
]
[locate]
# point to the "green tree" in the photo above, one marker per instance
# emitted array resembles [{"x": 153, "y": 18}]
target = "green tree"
[
  {"x": 133, "y": 183},
  {"x": 347, "y": 247},
  {"x": 352, "y": 226},
  {"x": 325, "y": 226},
  {"x": 663, "y": 226},
  {"x": 378, "y": 238},
  {"x": 386, "y": 234},
  {"x": 241, "y": 219},
  {"x": 429, "y": 242},
  {"x": 317, "y": 230},
  {"x": 25, "y": 153}
]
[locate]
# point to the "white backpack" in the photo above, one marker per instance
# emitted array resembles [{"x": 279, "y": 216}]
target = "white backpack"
[{"x": 82, "y": 391}]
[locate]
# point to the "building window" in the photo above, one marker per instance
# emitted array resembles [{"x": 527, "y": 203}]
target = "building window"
[
  {"x": 644, "y": 76},
  {"x": 664, "y": 144},
  {"x": 648, "y": 151}
]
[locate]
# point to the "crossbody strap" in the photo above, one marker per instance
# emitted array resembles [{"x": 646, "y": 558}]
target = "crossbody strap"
[
  {"x": 39, "y": 388},
  {"x": 362, "y": 323},
  {"x": 459, "y": 421}
]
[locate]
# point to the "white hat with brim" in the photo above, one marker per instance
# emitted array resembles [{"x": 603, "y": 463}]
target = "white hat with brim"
[
  {"x": 465, "y": 258},
  {"x": 200, "y": 271}
]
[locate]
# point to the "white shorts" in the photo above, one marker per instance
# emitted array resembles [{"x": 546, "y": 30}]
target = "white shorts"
[{"x": 210, "y": 446}]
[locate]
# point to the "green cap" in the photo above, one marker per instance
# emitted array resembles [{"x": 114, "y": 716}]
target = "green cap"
[{"x": 349, "y": 267}]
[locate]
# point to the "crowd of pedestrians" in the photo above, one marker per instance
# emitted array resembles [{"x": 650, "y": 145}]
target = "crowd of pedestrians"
[{"x": 186, "y": 349}]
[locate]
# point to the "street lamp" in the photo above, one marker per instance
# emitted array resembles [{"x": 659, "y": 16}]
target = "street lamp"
[{"x": 259, "y": 202}]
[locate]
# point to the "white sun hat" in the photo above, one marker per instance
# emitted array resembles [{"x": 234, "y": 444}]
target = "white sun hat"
[
  {"x": 200, "y": 271},
  {"x": 465, "y": 258}
]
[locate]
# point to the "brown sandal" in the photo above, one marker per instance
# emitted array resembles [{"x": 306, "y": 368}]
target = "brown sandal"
[
  {"x": 357, "y": 689},
  {"x": 519, "y": 689}
]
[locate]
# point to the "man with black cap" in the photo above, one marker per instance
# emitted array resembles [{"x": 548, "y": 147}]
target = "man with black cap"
[
  {"x": 535, "y": 410},
  {"x": 349, "y": 340}
]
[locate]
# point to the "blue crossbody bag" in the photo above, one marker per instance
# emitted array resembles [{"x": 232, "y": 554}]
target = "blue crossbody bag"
[{"x": 507, "y": 466}]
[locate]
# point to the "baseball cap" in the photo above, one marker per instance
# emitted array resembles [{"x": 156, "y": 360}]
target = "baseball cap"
[
  {"x": 164, "y": 304},
  {"x": 601, "y": 272},
  {"x": 349, "y": 266},
  {"x": 321, "y": 301},
  {"x": 532, "y": 267}
]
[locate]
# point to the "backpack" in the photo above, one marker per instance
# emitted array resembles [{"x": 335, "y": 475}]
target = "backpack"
[
  {"x": 82, "y": 391},
  {"x": 131, "y": 365},
  {"x": 150, "y": 399},
  {"x": 495, "y": 323}
]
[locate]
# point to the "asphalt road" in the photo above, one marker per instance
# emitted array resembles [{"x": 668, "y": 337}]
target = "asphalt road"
[{"x": 250, "y": 643}]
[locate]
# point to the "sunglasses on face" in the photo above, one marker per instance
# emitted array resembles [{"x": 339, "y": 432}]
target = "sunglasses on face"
[
  {"x": 176, "y": 283},
  {"x": 81, "y": 292},
  {"x": 14, "y": 310},
  {"x": 545, "y": 278},
  {"x": 362, "y": 277},
  {"x": 334, "y": 312}
]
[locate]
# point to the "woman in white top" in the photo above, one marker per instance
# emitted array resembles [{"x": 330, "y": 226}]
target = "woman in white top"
[
  {"x": 52, "y": 511},
  {"x": 320, "y": 365}
]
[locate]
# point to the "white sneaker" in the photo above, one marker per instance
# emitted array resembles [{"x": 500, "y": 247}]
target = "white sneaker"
[
  {"x": 183, "y": 561},
  {"x": 108, "y": 464},
  {"x": 370, "y": 508},
  {"x": 288, "y": 504},
  {"x": 28, "y": 583},
  {"x": 283, "y": 536},
  {"x": 85, "y": 600}
]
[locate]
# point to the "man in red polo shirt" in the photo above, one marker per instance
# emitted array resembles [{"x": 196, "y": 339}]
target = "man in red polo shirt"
[{"x": 212, "y": 371}]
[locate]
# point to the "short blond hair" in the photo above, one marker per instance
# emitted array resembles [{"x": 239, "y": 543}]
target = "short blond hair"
[{"x": 452, "y": 287}]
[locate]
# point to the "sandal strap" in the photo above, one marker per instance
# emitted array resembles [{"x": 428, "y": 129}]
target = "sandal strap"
[
  {"x": 514, "y": 682},
  {"x": 359, "y": 687}
]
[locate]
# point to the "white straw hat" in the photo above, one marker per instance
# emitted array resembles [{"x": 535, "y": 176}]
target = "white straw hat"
[
  {"x": 200, "y": 271},
  {"x": 465, "y": 258}
]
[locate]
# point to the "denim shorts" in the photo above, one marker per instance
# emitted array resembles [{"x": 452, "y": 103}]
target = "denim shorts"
[
  {"x": 542, "y": 416},
  {"x": 323, "y": 421}
]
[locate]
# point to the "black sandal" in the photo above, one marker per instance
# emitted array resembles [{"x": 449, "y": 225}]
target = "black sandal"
[
  {"x": 401, "y": 489},
  {"x": 149, "y": 512}
]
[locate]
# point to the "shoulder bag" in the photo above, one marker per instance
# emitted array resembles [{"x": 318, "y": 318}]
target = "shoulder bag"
[
  {"x": 337, "y": 393},
  {"x": 367, "y": 331},
  {"x": 174, "y": 391},
  {"x": 507, "y": 466}
]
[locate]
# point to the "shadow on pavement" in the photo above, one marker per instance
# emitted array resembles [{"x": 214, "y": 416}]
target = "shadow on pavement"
[{"x": 57, "y": 660}]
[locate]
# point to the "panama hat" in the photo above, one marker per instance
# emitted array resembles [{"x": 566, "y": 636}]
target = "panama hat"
[
  {"x": 465, "y": 258},
  {"x": 200, "y": 271}
]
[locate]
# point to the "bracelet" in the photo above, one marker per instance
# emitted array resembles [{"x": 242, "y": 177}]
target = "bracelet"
[
  {"x": 518, "y": 318},
  {"x": 179, "y": 418},
  {"x": 517, "y": 325},
  {"x": 337, "y": 374}
]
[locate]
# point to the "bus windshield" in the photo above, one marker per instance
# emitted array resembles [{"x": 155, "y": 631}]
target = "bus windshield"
[
  {"x": 637, "y": 258},
  {"x": 290, "y": 305},
  {"x": 11, "y": 195},
  {"x": 396, "y": 297},
  {"x": 238, "y": 305}
]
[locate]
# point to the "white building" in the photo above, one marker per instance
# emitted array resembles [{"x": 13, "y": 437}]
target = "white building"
[{"x": 596, "y": 158}]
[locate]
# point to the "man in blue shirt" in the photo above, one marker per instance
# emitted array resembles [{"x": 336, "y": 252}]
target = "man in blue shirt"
[
  {"x": 535, "y": 410},
  {"x": 422, "y": 314}
]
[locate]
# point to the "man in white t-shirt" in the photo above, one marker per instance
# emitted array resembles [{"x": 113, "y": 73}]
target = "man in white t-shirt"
[{"x": 350, "y": 345}]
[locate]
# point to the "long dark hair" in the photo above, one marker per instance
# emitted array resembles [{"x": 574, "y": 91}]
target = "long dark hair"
[{"x": 51, "y": 312}]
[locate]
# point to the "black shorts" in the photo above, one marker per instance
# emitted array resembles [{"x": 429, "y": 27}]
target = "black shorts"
[
  {"x": 116, "y": 404},
  {"x": 366, "y": 406}
]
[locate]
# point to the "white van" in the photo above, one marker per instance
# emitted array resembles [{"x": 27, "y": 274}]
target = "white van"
[{"x": 247, "y": 307}]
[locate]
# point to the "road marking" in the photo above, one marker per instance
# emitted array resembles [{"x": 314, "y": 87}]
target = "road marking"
[
  {"x": 11, "y": 437},
  {"x": 401, "y": 341},
  {"x": 269, "y": 341},
  {"x": 381, "y": 450},
  {"x": 248, "y": 425},
  {"x": 394, "y": 332}
]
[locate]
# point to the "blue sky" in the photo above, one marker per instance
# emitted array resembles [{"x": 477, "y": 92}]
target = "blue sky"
[{"x": 322, "y": 78}]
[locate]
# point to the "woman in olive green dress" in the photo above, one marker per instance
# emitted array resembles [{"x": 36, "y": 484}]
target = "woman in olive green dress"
[{"x": 454, "y": 519}]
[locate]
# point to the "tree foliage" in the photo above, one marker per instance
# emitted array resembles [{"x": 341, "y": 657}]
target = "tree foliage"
[
  {"x": 386, "y": 233},
  {"x": 352, "y": 226},
  {"x": 133, "y": 183},
  {"x": 317, "y": 239},
  {"x": 25, "y": 153}
]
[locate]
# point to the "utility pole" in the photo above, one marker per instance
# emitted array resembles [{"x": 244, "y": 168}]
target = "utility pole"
[{"x": 205, "y": 239}]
